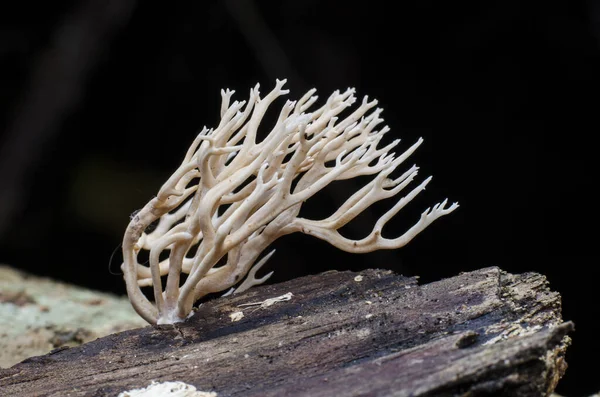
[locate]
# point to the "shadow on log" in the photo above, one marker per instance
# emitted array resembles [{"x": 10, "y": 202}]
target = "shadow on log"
[{"x": 373, "y": 333}]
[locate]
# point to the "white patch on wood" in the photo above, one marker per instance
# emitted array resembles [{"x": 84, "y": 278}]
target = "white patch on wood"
[
  {"x": 236, "y": 316},
  {"x": 363, "y": 333},
  {"x": 170, "y": 389}
]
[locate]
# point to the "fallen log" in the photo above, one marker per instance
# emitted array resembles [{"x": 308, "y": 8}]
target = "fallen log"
[{"x": 373, "y": 333}]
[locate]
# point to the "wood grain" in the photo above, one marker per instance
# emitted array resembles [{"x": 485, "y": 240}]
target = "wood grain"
[{"x": 373, "y": 333}]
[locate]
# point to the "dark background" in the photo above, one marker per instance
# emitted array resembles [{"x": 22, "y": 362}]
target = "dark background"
[{"x": 99, "y": 101}]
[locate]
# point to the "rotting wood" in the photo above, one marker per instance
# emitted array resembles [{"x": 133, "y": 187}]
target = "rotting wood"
[{"x": 371, "y": 333}]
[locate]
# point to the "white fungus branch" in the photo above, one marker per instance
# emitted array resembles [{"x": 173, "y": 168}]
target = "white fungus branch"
[{"x": 232, "y": 196}]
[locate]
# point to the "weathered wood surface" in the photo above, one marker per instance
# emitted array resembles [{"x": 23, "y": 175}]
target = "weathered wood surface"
[{"x": 481, "y": 333}]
